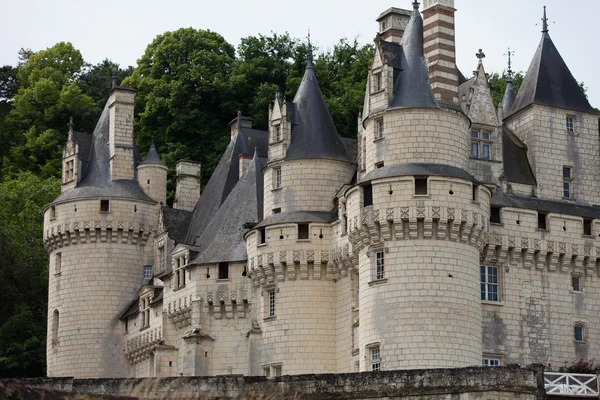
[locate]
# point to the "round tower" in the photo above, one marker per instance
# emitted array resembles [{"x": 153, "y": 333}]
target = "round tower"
[
  {"x": 96, "y": 233},
  {"x": 417, "y": 219},
  {"x": 152, "y": 176},
  {"x": 288, "y": 252}
]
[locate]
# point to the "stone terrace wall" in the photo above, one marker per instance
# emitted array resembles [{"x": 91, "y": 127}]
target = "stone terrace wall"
[{"x": 499, "y": 383}]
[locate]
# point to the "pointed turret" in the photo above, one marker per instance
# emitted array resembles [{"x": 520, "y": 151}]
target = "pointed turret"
[
  {"x": 549, "y": 82},
  {"x": 152, "y": 175},
  {"x": 313, "y": 132},
  {"x": 509, "y": 94},
  {"x": 411, "y": 86},
  {"x": 152, "y": 157}
]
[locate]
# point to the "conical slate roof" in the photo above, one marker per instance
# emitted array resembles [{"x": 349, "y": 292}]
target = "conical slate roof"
[
  {"x": 96, "y": 179},
  {"x": 509, "y": 96},
  {"x": 411, "y": 81},
  {"x": 549, "y": 82},
  {"x": 313, "y": 131},
  {"x": 152, "y": 157}
]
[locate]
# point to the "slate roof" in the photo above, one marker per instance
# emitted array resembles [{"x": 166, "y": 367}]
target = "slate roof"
[
  {"x": 313, "y": 132},
  {"x": 546, "y": 205},
  {"x": 417, "y": 169},
  {"x": 223, "y": 238},
  {"x": 516, "y": 164},
  {"x": 224, "y": 179},
  {"x": 298, "y": 217},
  {"x": 549, "y": 82},
  {"x": 509, "y": 97},
  {"x": 411, "y": 80},
  {"x": 152, "y": 157},
  {"x": 96, "y": 180},
  {"x": 176, "y": 223}
]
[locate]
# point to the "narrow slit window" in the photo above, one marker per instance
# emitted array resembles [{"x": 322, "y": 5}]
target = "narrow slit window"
[
  {"x": 57, "y": 263},
  {"x": 271, "y": 305},
  {"x": 368, "y": 195},
  {"x": 379, "y": 265},
  {"x": 587, "y": 227},
  {"x": 263, "y": 236}
]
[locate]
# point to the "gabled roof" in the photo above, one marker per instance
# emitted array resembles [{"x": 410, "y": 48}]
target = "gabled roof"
[
  {"x": 514, "y": 156},
  {"x": 549, "y": 82},
  {"x": 313, "y": 132},
  {"x": 224, "y": 179},
  {"x": 223, "y": 238},
  {"x": 411, "y": 80},
  {"x": 96, "y": 179}
]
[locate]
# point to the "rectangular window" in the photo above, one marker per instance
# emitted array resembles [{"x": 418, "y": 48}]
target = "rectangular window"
[
  {"x": 495, "y": 215},
  {"x": 490, "y": 362},
  {"x": 475, "y": 149},
  {"x": 421, "y": 186},
  {"x": 570, "y": 124},
  {"x": 223, "y": 270},
  {"x": 379, "y": 165},
  {"x": 475, "y": 134},
  {"x": 579, "y": 333},
  {"x": 587, "y": 227},
  {"x": 475, "y": 192},
  {"x": 567, "y": 182},
  {"x": 147, "y": 271},
  {"x": 377, "y": 82},
  {"x": 263, "y": 236},
  {"x": 302, "y": 231},
  {"x": 379, "y": 265},
  {"x": 57, "y": 263},
  {"x": 485, "y": 135},
  {"x": 368, "y": 195},
  {"x": 52, "y": 212},
  {"x": 542, "y": 220},
  {"x": 277, "y": 210},
  {"x": 277, "y": 370},
  {"x": 380, "y": 129},
  {"x": 486, "y": 151},
  {"x": 481, "y": 146},
  {"x": 576, "y": 283},
  {"x": 489, "y": 283},
  {"x": 356, "y": 290},
  {"x": 277, "y": 133},
  {"x": 277, "y": 179},
  {"x": 104, "y": 206},
  {"x": 271, "y": 304},
  {"x": 375, "y": 359},
  {"x": 267, "y": 371}
]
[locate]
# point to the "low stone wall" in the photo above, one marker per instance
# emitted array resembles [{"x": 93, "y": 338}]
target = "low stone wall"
[{"x": 499, "y": 383}]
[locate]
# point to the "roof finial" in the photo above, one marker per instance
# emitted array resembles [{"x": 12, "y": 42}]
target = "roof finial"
[
  {"x": 416, "y": 5},
  {"x": 309, "y": 60},
  {"x": 71, "y": 125},
  {"x": 510, "y": 54},
  {"x": 115, "y": 73},
  {"x": 480, "y": 54},
  {"x": 545, "y": 22}
]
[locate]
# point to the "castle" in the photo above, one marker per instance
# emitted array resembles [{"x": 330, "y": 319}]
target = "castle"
[{"x": 450, "y": 234}]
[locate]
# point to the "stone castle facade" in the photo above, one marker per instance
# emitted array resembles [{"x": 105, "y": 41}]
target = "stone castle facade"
[{"x": 449, "y": 234}]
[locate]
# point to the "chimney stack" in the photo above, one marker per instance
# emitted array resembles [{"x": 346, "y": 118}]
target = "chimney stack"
[
  {"x": 120, "y": 105},
  {"x": 187, "y": 191},
  {"x": 392, "y": 23},
  {"x": 240, "y": 122},
  {"x": 439, "y": 48}
]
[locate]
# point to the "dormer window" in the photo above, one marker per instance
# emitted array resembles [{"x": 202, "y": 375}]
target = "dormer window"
[
  {"x": 481, "y": 146},
  {"x": 69, "y": 171},
  {"x": 377, "y": 82},
  {"x": 277, "y": 135}
]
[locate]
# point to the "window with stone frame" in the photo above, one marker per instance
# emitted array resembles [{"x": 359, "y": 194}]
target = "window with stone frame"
[
  {"x": 277, "y": 178},
  {"x": 579, "y": 332},
  {"x": 271, "y": 303},
  {"x": 161, "y": 258},
  {"x": 145, "y": 310},
  {"x": 567, "y": 173},
  {"x": 147, "y": 271},
  {"x": 57, "y": 263},
  {"x": 490, "y": 284},
  {"x": 379, "y": 129},
  {"x": 379, "y": 264},
  {"x": 375, "y": 358},
  {"x": 377, "y": 81},
  {"x": 488, "y": 361},
  {"x": 576, "y": 282},
  {"x": 277, "y": 133},
  {"x": 69, "y": 171},
  {"x": 570, "y": 120},
  {"x": 179, "y": 272},
  {"x": 481, "y": 144}
]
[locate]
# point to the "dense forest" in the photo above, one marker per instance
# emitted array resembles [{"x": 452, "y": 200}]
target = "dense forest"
[{"x": 190, "y": 84}]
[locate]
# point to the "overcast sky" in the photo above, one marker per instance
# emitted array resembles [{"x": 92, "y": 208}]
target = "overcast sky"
[{"x": 121, "y": 30}]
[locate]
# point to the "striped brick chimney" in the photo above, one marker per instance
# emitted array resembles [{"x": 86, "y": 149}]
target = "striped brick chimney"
[{"x": 439, "y": 48}]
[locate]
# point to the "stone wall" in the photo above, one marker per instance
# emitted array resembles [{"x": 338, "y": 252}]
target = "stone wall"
[{"x": 499, "y": 383}]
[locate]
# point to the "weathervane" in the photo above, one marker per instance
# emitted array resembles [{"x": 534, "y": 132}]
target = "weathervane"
[
  {"x": 309, "y": 55},
  {"x": 545, "y": 22},
  {"x": 510, "y": 54}
]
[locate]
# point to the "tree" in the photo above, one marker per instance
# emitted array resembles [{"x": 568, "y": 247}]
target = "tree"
[
  {"x": 184, "y": 99},
  {"x": 96, "y": 81},
  {"x": 24, "y": 273},
  {"x": 48, "y": 95}
]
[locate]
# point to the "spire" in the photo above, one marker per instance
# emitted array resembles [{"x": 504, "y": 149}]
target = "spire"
[
  {"x": 309, "y": 60},
  {"x": 71, "y": 126},
  {"x": 152, "y": 157},
  {"x": 509, "y": 92},
  {"x": 411, "y": 87},
  {"x": 545, "y": 22}
]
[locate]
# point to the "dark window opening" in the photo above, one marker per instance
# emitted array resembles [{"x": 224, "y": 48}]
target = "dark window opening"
[
  {"x": 52, "y": 212},
  {"x": 345, "y": 223},
  {"x": 302, "y": 231},
  {"x": 495, "y": 215},
  {"x": 277, "y": 210},
  {"x": 542, "y": 217},
  {"x": 223, "y": 270},
  {"x": 578, "y": 331},
  {"x": 126, "y": 324},
  {"x": 421, "y": 185},
  {"x": 368, "y": 195},
  {"x": 475, "y": 192},
  {"x": 576, "y": 283},
  {"x": 587, "y": 227},
  {"x": 263, "y": 236},
  {"x": 104, "y": 206},
  {"x": 379, "y": 165}
]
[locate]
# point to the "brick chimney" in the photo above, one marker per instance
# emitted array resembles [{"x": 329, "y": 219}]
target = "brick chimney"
[
  {"x": 392, "y": 23},
  {"x": 439, "y": 48},
  {"x": 120, "y": 105}
]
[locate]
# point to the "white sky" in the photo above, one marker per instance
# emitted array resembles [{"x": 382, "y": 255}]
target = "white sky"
[{"x": 121, "y": 30}]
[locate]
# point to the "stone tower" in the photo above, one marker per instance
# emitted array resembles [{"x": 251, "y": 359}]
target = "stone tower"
[
  {"x": 417, "y": 219},
  {"x": 96, "y": 233},
  {"x": 289, "y": 249}
]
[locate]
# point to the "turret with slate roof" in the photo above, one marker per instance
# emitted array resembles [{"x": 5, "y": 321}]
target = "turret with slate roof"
[
  {"x": 152, "y": 175},
  {"x": 554, "y": 119}
]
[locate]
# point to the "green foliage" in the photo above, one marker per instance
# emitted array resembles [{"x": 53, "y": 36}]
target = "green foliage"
[
  {"x": 498, "y": 84},
  {"x": 8, "y": 82},
  {"x": 578, "y": 367},
  {"x": 96, "y": 81},
  {"x": 24, "y": 274}
]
